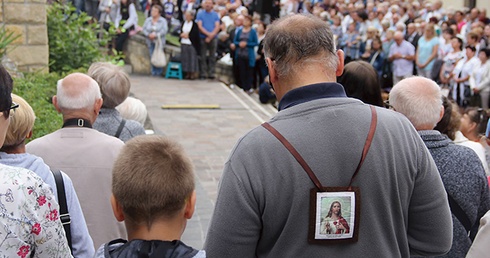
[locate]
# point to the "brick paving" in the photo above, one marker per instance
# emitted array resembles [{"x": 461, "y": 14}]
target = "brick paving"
[{"x": 208, "y": 135}]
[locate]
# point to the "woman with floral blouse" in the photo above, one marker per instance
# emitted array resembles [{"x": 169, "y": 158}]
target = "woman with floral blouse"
[{"x": 29, "y": 217}]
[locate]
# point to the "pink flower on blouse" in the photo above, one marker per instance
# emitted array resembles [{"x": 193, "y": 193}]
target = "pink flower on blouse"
[
  {"x": 53, "y": 215},
  {"x": 41, "y": 200},
  {"x": 23, "y": 251},
  {"x": 36, "y": 229}
]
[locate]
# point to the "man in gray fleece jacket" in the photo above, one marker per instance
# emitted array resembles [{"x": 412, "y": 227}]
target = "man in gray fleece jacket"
[
  {"x": 460, "y": 168},
  {"x": 262, "y": 209}
]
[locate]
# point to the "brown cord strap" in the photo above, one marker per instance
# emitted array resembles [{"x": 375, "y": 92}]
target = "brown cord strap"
[
  {"x": 302, "y": 162},
  {"x": 295, "y": 153},
  {"x": 369, "y": 139}
]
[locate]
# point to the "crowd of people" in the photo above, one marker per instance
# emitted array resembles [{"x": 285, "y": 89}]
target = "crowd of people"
[{"x": 398, "y": 38}]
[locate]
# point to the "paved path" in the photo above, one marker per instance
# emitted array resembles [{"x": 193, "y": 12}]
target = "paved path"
[{"x": 208, "y": 135}]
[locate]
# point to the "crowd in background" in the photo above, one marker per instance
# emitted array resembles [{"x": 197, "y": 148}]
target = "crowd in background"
[{"x": 398, "y": 38}]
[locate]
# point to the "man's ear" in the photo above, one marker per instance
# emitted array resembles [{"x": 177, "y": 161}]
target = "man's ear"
[
  {"x": 272, "y": 72},
  {"x": 98, "y": 105},
  {"x": 117, "y": 209},
  {"x": 29, "y": 135},
  {"x": 190, "y": 206},
  {"x": 441, "y": 114},
  {"x": 340, "y": 66},
  {"x": 55, "y": 103}
]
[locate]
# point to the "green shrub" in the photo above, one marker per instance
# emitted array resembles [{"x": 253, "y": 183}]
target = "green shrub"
[
  {"x": 38, "y": 89},
  {"x": 73, "y": 41}
]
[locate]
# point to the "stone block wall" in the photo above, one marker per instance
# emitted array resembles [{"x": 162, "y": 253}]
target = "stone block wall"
[{"x": 27, "y": 18}]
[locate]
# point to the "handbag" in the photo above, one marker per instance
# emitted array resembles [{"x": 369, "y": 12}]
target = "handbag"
[
  {"x": 64, "y": 214},
  {"x": 158, "y": 58}
]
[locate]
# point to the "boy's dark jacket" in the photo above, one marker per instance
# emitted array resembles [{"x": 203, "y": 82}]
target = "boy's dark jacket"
[{"x": 147, "y": 249}]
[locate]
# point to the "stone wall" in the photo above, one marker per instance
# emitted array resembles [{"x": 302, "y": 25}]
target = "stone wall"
[
  {"x": 138, "y": 55},
  {"x": 27, "y": 18}
]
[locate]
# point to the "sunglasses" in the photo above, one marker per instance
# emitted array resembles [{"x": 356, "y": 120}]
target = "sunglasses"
[{"x": 6, "y": 113}]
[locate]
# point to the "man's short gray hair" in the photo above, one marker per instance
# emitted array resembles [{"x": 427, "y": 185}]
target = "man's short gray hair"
[
  {"x": 83, "y": 98},
  {"x": 419, "y": 99},
  {"x": 296, "y": 40}
]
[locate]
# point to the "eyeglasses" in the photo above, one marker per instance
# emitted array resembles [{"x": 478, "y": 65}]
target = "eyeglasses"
[
  {"x": 7, "y": 113},
  {"x": 387, "y": 104}
]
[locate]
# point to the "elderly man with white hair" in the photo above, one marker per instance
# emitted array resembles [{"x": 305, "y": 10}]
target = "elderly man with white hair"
[
  {"x": 83, "y": 153},
  {"x": 462, "y": 173}
]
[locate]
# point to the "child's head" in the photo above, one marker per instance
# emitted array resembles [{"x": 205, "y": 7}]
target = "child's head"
[{"x": 152, "y": 180}]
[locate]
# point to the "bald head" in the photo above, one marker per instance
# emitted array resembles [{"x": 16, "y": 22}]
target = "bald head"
[
  {"x": 398, "y": 37},
  {"x": 77, "y": 91},
  {"x": 420, "y": 100}
]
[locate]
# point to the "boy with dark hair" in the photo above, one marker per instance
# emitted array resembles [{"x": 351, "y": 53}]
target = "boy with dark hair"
[{"x": 153, "y": 193}]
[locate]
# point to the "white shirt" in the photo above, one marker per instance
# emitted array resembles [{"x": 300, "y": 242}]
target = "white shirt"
[
  {"x": 401, "y": 66},
  {"x": 186, "y": 29},
  {"x": 460, "y": 139}
]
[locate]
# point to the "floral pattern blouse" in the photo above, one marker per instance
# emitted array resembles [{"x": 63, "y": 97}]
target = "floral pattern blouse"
[{"x": 29, "y": 218}]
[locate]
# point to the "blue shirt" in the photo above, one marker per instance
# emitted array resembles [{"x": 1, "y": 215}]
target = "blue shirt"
[
  {"x": 311, "y": 92},
  {"x": 208, "y": 20},
  {"x": 425, "y": 50}
]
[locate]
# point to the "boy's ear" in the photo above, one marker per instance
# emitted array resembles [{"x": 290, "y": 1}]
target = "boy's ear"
[
  {"x": 190, "y": 206},
  {"x": 117, "y": 209}
]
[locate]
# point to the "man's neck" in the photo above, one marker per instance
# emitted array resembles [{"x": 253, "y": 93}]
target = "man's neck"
[
  {"x": 164, "y": 230},
  {"x": 79, "y": 115},
  {"x": 303, "y": 80}
]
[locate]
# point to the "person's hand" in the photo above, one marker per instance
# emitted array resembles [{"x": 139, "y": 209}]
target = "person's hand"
[
  {"x": 107, "y": 9},
  {"x": 152, "y": 36},
  {"x": 476, "y": 91},
  {"x": 242, "y": 44},
  {"x": 118, "y": 31},
  {"x": 340, "y": 226},
  {"x": 184, "y": 35},
  {"x": 232, "y": 46},
  {"x": 207, "y": 40}
]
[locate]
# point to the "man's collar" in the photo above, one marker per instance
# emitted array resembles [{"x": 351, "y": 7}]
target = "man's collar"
[{"x": 311, "y": 92}]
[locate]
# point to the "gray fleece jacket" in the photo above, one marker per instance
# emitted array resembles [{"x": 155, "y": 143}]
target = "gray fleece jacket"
[{"x": 262, "y": 208}]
